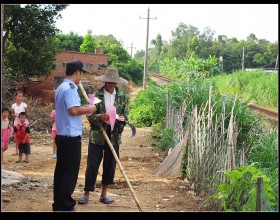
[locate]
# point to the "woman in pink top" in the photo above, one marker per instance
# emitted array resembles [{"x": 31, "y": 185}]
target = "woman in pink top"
[
  {"x": 17, "y": 108},
  {"x": 7, "y": 130},
  {"x": 53, "y": 133}
]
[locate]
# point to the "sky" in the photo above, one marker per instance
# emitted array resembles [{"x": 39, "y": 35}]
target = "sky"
[{"x": 128, "y": 22}]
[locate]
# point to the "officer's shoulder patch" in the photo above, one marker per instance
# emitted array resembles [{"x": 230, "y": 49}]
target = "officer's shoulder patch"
[{"x": 72, "y": 85}]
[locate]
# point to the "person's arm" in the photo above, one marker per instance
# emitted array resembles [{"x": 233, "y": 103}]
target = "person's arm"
[
  {"x": 53, "y": 120},
  {"x": 80, "y": 110},
  {"x": 25, "y": 136},
  {"x": 98, "y": 116},
  {"x": 13, "y": 113},
  {"x": 126, "y": 109},
  {"x": 15, "y": 135},
  {"x": 72, "y": 101},
  {"x": 27, "y": 111},
  {"x": 11, "y": 130}
]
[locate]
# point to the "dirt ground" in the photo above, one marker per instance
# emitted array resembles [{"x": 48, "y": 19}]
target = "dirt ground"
[{"x": 139, "y": 160}]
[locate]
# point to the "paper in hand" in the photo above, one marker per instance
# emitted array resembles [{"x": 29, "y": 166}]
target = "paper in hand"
[
  {"x": 111, "y": 111},
  {"x": 96, "y": 100},
  {"x": 92, "y": 100}
]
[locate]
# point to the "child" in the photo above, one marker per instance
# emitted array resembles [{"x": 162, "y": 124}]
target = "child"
[
  {"x": 21, "y": 134},
  {"x": 18, "y": 107},
  {"x": 7, "y": 130},
  {"x": 53, "y": 133}
]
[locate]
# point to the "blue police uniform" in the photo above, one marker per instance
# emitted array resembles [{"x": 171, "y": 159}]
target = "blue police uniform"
[{"x": 66, "y": 96}]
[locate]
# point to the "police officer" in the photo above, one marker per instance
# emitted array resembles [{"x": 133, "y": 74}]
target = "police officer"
[{"x": 68, "y": 139}]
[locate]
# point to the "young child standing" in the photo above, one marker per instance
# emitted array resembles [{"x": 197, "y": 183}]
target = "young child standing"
[
  {"x": 21, "y": 134},
  {"x": 18, "y": 107},
  {"x": 7, "y": 130},
  {"x": 53, "y": 133}
]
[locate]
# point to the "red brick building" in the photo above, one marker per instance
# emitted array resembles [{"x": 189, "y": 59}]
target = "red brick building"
[{"x": 92, "y": 61}]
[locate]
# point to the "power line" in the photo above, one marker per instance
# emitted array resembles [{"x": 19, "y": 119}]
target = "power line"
[{"x": 146, "y": 52}]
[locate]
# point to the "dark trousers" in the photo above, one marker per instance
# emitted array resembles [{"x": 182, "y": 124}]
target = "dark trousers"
[
  {"x": 24, "y": 148},
  {"x": 66, "y": 172},
  {"x": 95, "y": 154}
]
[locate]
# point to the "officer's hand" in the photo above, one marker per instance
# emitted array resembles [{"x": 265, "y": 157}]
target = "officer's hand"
[{"x": 92, "y": 108}]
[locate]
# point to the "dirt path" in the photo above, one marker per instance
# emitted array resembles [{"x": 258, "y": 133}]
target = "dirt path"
[{"x": 139, "y": 160}]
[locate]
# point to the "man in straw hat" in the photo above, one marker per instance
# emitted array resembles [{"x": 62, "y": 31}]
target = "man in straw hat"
[{"x": 98, "y": 148}]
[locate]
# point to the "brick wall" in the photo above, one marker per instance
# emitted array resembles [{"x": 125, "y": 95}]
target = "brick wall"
[{"x": 91, "y": 62}]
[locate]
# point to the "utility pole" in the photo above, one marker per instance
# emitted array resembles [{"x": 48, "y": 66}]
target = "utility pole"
[
  {"x": 221, "y": 63},
  {"x": 276, "y": 62},
  {"x": 146, "y": 52},
  {"x": 131, "y": 49},
  {"x": 243, "y": 60}
]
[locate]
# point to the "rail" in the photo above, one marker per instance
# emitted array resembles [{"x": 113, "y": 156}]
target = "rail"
[
  {"x": 267, "y": 113},
  {"x": 164, "y": 78}
]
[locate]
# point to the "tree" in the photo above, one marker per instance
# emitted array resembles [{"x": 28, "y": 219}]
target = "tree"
[
  {"x": 29, "y": 42},
  {"x": 105, "y": 39},
  {"x": 158, "y": 43},
  {"x": 155, "y": 53},
  {"x": 116, "y": 54},
  {"x": 193, "y": 47},
  {"x": 132, "y": 70},
  {"x": 252, "y": 38},
  {"x": 71, "y": 41},
  {"x": 180, "y": 38},
  {"x": 206, "y": 42},
  {"x": 88, "y": 44},
  {"x": 139, "y": 54},
  {"x": 272, "y": 53}
]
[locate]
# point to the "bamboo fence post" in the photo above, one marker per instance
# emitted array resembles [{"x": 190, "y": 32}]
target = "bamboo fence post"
[{"x": 258, "y": 200}]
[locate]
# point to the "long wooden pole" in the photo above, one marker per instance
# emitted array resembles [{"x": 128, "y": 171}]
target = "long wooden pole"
[{"x": 113, "y": 151}]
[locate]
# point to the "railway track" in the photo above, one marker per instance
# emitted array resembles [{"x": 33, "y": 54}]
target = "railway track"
[
  {"x": 265, "y": 112},
  {"x": 163, "y": 78},
  {"x": 271, "y": 115}
]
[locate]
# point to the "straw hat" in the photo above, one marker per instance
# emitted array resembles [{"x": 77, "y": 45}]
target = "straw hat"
[{"x": 111, "y": 75}]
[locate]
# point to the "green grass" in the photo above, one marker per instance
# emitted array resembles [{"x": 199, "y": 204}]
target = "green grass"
[{"x": 255, "y": 87}]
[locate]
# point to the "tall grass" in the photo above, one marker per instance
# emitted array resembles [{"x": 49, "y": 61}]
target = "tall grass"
[
  {"x": 256, "y": 87},
  {"x": 264, "y": 152},
  {"x": 149, "y": 109}
]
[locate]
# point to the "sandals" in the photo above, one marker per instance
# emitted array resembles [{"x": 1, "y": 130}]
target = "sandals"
[
  {"x": 83, "y": 200},
  {"x": 106, "y": 200}
]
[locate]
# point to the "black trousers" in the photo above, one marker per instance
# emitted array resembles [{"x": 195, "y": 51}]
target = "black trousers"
[
  {"x": 95, "y": 155},
  {"x": 66, "y": 172}
]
